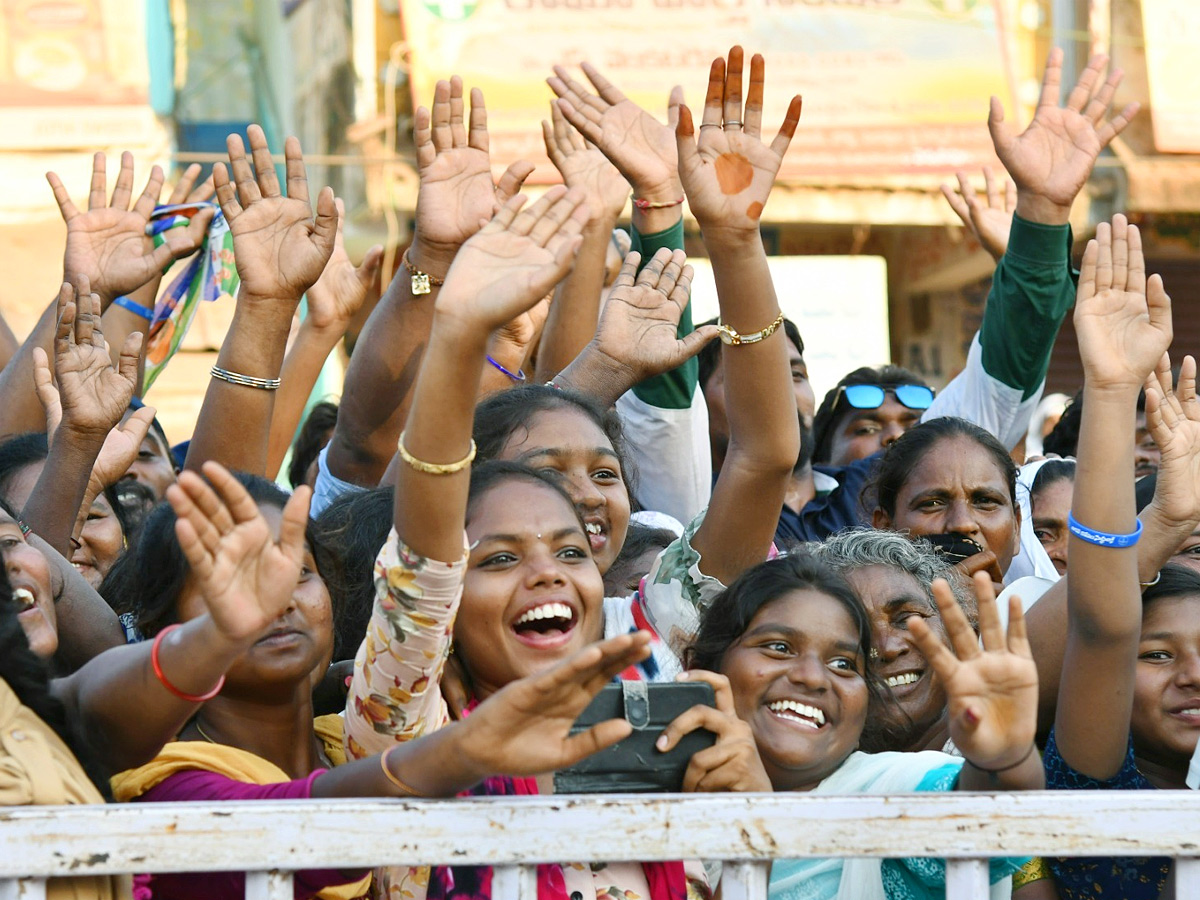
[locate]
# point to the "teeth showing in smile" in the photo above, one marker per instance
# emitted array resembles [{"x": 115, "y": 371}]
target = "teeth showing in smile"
[
  {"x": 546, "y": 611},
  {"x": 901, "y": 680},
  {"x": 1195, "y": 712},
  {"x": 594, "y": 528},
  {"x": 798, "y": 712},
  {"x": 25, "y": 597}
]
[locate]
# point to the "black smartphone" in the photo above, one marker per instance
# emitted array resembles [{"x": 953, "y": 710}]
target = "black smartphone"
[
  {"x": 954, "y": 547},
  {"x": 635, "y": 765}
]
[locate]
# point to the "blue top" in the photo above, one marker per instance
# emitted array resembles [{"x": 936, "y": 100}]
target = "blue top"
[{"x": 1098, "y": 877}]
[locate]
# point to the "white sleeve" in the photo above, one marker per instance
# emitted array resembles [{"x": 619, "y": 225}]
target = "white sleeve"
[
  {"x": 991, "y": 404},
  {"x": 670, "y": 454}
]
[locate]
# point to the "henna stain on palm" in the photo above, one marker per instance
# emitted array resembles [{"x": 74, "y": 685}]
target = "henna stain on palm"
[
  {"x": 754, "y": 210},
  {"x": 734, "y": 173}
]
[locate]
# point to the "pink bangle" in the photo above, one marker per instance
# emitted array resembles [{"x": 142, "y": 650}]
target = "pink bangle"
[
  {"x": 158, "y": 672},
  {"x": 647, "y": 204}
]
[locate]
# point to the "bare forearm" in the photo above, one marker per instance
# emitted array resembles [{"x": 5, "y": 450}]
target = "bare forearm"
[
  {"x": 119, "y": 697},
  {"x": 119, "y": 323},
  {"x": 301, "y": 369},
  {"x": 235, "y": 421},
  {"x": 576, "y": 309},
  {"x": 381, "y": 375},
  {"x": 53, "y": 508},
  {"x": 21, "y": 411},
  {"x": 87, "y": 626},
  {"x": 430, "y": 509},
  {"x": 1029, "y": 775}
]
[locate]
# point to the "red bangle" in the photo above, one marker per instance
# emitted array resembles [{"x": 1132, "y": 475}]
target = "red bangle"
[
  {"x": 648, "y": 204},
  {"x": 158, "y": 673}
]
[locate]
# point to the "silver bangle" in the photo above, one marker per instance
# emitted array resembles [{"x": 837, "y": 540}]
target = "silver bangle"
[{"x": 263, "y": 384}]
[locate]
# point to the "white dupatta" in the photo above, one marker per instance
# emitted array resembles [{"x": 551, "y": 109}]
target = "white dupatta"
[{"x": 861, "y": 879}]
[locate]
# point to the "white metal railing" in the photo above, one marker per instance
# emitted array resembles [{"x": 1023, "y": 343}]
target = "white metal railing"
[{"x": 270, "y": 840}]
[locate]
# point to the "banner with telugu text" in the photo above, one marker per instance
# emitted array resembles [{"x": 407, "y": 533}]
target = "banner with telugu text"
[{"x": 891, "y": 87}]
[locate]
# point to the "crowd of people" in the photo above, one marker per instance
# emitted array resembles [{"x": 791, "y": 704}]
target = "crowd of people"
[{"x": 543, "y": 476}]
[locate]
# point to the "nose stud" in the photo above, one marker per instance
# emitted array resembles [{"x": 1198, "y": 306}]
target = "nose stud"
[{"x": 874, "y": 654}]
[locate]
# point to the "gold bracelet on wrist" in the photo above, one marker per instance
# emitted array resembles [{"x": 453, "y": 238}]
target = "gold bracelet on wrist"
[
  {"x": 422, "y": 282},
  {"x": 434, "y": 468},
  {"x": 393, "y": 778},
  {"x": 733, "y": 339}
]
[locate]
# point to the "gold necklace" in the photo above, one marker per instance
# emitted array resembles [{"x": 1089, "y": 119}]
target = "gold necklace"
[{"x": 196, "y": 722}]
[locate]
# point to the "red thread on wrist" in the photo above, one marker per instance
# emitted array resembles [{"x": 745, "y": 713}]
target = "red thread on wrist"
[
  {"x": 162, "y": 678},
  {"x": 649, "y": 204}
]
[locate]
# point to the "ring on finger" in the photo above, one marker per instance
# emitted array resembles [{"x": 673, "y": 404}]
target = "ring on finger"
[{"x": 737, "y": 123}]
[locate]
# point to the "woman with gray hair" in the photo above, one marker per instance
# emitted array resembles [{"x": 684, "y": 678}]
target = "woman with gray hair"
[{"x": 894, "y": 576}]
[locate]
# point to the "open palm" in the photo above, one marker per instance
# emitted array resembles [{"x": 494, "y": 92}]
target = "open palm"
[
  {"x": 1122, "y": 319},
  {"x": 514, "y": 260},
  {"x": 1054, "y": 156},
  {"x": 584, "y": 166},
  {"x": 280, "y": 249},
  {"x": 638, "y": 327},
  {"x": 992, "y": 693},
  {"x": 728, "y": 172},
  {"x": 641, "y": 147},
  {"x": 245, "y": 577},
  {"x": 107, "y": 243},
  {"x": 1173, "y": 419},
  {"x": 457, "y": 191},
  {"x": 342, "y": 289}
]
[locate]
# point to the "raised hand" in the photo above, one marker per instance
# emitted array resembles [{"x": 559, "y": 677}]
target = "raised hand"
[
  {"x": 728, "y": 171},
  {"x": 514, "y": 260},
  {"x": 1123, "y": 321},
  {"x": 245, "y": 576},
  {"x": 342, "y": 289},
  {"x": 992, "y": 693},
  {"x": 640, "y": 146},
  {"x": 456, "y": 191},
  {"x": 91, "y": 396},
  {"x": 584, "y": 166},
  {"x": 989, "y": 223},
  {"x": 1051, "y": 159},
  {"x": 1173, "y": 420},
  {"x": 107, "y": 243},
  {"x": 187, "y": 191},
  {"x": 637, "y": 330},
  {"x": 732, "y": 763},
  {"x": 524, "y": 729},
  {"x": 279, "y": 247}
]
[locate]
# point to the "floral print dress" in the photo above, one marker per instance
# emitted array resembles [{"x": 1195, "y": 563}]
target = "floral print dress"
[{"x": 395, "y": 692}]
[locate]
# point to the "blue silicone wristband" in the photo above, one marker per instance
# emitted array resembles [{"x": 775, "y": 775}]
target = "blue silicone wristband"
[
  {"x": 136, "y": 308},
  {"x": 1103, "y": 538}
]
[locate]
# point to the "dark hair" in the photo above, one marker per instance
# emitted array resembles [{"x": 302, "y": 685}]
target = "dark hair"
[
  {"x": 131, "y": 501},
  {"x": 731, "y": 613},
  {"x": 1063, "y": 438},
  {"x": 147, "y": 579},
  {"x": 28, "y": 675},
  {"x": 349, "y": 534},
  {"x": 710, "y": 354},
  {"x": 350, "y": 531},
  {"x": 638, "y": 539},
  {"x": 18, "y": 452},
  {"x": 493, "y": 473},
  {"x": 155, "y": 425},
  {"x": 313, "y": 436},
  {"x": 834, "y": 406},
  {"x": 1174, "y": 580},
  {"x": 903, "y": 456},
  {"x": 1051, "y": 472}
]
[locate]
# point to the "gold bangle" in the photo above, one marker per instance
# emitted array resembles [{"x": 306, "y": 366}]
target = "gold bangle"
[
  {"x": 393, "y": 778},
  {"x": 733, "y": 339},
  {"x": 434, "y": 468},
  {"x": 422, "y": 282}
]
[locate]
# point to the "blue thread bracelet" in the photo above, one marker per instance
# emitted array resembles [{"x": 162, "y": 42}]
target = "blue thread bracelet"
[
  {"x": 518, "y": 376},
  {"x": 136, "y": 308},
  {"x": 1103, "y": 538}
]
